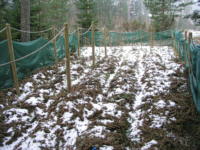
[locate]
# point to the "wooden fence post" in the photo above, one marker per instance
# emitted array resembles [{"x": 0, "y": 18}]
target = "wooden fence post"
[
  {"x": 185, "y": 48},
  {"x": 178, "y": 46},
  {"x": 54, "y": 44},
  {"x": 66, "y": 35},
  {"x": 110, "y": 39},
  {"x": 186, "y": 36},
  {"x": 190, "y": 41},
  {"x": 12, "y": 58},
  {"x": 93, "y": 44},
  {"x": 105, "y": 44},
  {"x": 190, "y": 37},
  {"x": 173, "y": 41},
  {"x": 78, "y": 38},
  {"x": 174, "y": 45},
  {"x": 120, "y": 38},
  {"x": 152, "y": 42}
]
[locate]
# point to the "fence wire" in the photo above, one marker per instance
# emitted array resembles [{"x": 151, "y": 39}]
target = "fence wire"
[
  {"x": 32, "y": 53},
  {"x": 32, "y": 32}
]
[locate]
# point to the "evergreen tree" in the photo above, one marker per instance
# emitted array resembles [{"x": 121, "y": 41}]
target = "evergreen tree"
[
  {"x": 104, "y": 9},
  {"x": 43, "y": 14},
  {"x": 164, "y": 12},
  {"x": 10, "y": 13},
  {"x": 111, "y": 13},
  {"x": 3, "y": 11},
  {"x": 86, "y": 13},
  {"x": 56, "y": 12},
  {"x": 38, "y": 17},
  {"x": 15, "y": 19},
  {"x": 196, "y": 15}
]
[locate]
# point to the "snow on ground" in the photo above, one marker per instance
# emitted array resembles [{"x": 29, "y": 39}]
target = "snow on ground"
[
  {"x": 195, "y": 34},
  {"x": 107, "y": 107}
]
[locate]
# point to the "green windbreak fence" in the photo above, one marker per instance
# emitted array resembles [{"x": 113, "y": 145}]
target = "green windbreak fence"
[
  {"x": 45, "y": 56},
  {"x": 24, "y": 66},
  {"x": 116, "y": 38},
  {"x": 190, "y": 54}
]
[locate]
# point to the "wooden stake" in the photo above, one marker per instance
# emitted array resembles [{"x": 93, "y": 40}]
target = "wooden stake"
[
  {"x": 190, "y": 37},
  {"x": 12, "y": 58},
  {"x": 186, "y": 35},
  {"x": 152, "y": 44},
  {"x": 151, "y": 36},
  {"x": 67, "y": 57},
  {"x": 110, "y": 39},
  {"x": 105, "y": 42},
  {"x": 172, "y": 37},
  {"x": 178, "y": 47},
  {"x": 122, "y": 41},
  {"x": 78, "y": 38},
  {"x": 174, "y": 44},
  {"x": 185, "y": 49},
  {"x": 189, "y": 52},
  {"x": 54, "y": 45},
  {"x": 93, "y": 44}
]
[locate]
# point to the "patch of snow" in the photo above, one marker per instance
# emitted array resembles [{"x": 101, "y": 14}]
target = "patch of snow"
[
  {"x": 172, "y": 104},
  {"x": 33, "y": 101},
  {"x": 67, "y": 116},
  {"x": 158, "y": 121},
  {"x": 28, "y": 87},
  {"x": 149, "y": 145},
  {"x": 106, "y": 148},
  {"x": 160, "y": 104}
]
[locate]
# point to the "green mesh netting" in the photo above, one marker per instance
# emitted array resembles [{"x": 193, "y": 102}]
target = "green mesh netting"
[
  {"x": 40, "y": 59},
  {"x": 190, "y": 54},
  {"x": 25, "y": 66},
  {"x": 45, "y": 56},
  {"x": 116, "y": 38}
]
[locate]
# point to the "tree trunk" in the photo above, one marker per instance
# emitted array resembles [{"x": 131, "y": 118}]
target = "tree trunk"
[{"x": 25, "y": 20}]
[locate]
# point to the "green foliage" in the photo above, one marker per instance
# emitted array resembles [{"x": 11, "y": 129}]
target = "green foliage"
[
  {"x": 44, "y": 14},
  {"x": 37, "y": 15},
  {"x": 48, "y": 13},
  {"x": 86, "y": 13},
  {"x": 9, "y": 13},
  {"x": 196, "y": 15},
  {"x": 164, "y": 12},
  {"x": 111, "y": 13},
  {"x": 162, "y": 17},
  {"x": 56, "y": 12},
  {"x": 3, "y": 11}
]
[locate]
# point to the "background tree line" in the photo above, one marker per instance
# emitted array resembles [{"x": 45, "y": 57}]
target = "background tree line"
[
  {"x": 36, "y": 15},
  {"x": 43, "y": 14}
]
